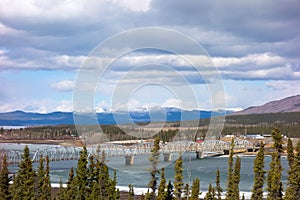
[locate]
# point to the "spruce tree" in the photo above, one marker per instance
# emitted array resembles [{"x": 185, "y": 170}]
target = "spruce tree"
[
  {"x": 161, "y": 195},
  {"x": 274, "y": 178},
  {"x": 43, "y": 185},
  {"x": 186, "y": 191},
  {"x": 92, "y": 176},
  {"x": 170, "y": 191},
  {"x": 104, "y": 181},
  {"x": 213, "y": 193},
  {"x": 24, "y": 181},
  {"x": 81, "y": 178},
  {"x": 236, "y": 178},
  {"x": 195, "y": 189},
  {"x": 178, "y": 178},
  {"x": 277, "y": 139},
  {"x": 4, "y": 180},
  {"x": 113, "y": 192},
  {"x": 259, "y": 174},
  {"x": 293, "y": 186},
  {"x": 290, "y": 152},
  {"x": 148, "y": 195},
  {"x": 46, "y": 187},
  {"x": 154, "y": 159},
  {"x": 209, "y": 195},
  {"x": 218, "y": 187},
  {"x": 40, "y": 179},
  {"x": 130, "y": 193},
  {"x": 243, "y": 197},
  {"x": 70, "y": 191},
  {"x": 104, "y": 187},
  {"x": 230, "y": 180},
  {"x": 60, "y": 192},
  {"x": 275, "y": 189}
]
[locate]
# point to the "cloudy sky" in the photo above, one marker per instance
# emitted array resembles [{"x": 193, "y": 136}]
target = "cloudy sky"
[{"x": 254, "y": 44}]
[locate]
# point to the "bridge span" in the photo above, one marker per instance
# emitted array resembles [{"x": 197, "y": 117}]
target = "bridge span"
[{"x": 59, "y": 153}]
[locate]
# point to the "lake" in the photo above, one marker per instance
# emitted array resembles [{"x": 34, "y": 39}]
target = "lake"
[{"x": 138, "y": 173}]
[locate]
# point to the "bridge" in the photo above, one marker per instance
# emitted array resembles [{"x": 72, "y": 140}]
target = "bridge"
[{"x": 60, "y": 153}]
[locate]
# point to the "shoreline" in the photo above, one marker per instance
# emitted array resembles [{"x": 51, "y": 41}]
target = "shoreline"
[
  {"x": 140, "y": 191},
  {"x": 61, "y": 142}
]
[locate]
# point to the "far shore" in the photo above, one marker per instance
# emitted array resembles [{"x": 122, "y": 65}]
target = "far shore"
[{"x": 43, "y": 141}]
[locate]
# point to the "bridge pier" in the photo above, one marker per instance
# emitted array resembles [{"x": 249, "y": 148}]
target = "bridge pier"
[
  {"x": 129, "y": 160},
  {"x": 167, "y": 157},
  {"x": 226, "y": 152},
  {"x": 199, "y": 154}
]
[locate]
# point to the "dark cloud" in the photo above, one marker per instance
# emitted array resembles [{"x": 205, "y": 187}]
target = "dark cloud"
[
  {"x": 42, "y": 35},
  {"x": 258, "y": 20}
]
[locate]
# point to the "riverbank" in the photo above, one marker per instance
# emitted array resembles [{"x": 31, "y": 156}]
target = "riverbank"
[
  {"x": 61, "y": 142},
  {"x": 138, "y": 192}
]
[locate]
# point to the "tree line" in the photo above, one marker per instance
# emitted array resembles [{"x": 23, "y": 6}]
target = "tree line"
[{"x": 92, "y": 180}]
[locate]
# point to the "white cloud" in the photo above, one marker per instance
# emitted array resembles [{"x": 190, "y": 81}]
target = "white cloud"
[
  {"x": 5, "y": 30},
  {"x": 172, "y": 103},
  {"x": 35, "y": 62},
  {"x": 64, "y": 106},
  {"x": 134, "y": 5},
  {"x": 249, "y": 40},
  {"x": 278, "y": 85},
  {"x": 63, "y": 86},
  {"x": 251, "y": 62},
  {"x": 41, "y": 106}
]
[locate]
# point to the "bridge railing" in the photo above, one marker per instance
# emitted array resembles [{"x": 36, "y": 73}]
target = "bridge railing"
[{"x": 116, "y": 150}]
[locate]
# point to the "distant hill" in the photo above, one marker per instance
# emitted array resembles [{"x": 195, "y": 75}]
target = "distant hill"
[
  {"x": 168, "y": 114},
  {"x": 289, "y": 104}
]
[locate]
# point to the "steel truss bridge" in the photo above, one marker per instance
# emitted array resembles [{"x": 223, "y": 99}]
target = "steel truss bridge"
[{"x": 144, "y": 148}]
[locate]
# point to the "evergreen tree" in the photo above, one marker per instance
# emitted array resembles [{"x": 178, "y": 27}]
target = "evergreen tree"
[
  {"x": 274, "y": 178},
  {"x": 243, "y": 197},
  {"x": 70, "y": 191},
  {"x": 131, "y": 192},
  {"x": 218, "y": 188},
  {"x": 277, "y": 139},
  {"x": 290, "y": 152},
  {"x": 178, "y": 178},
  {"x": 60, "y": 192},
  {"x": 259, "y": 174},
  {"x": 209, "y": 195},
  {"x": 92, "y": 176},
  {"x": 195, "y": 189},
  {"x": 170, "y": 191},
  {"x": 24, "y": 181},
  {"x": 46, "y": 188},
  {"x": 113, "y": 192},
  {"x": 162, "y": 186},
  {"x": 104, "y": 181},
  {"x": 230, "y": 179},
  {"x": 148, "y": 195},
  {"x": 186, "y": 191},
  {"x": 236, "y": 178},
  {"x": 104, "y": 187},
  {"x": 4, "y": 180},
  {"x": 154, "y": 162},
  {"x": 81, "y": 178},
  {"x": 40, "y": 179},
  {"x": 293, "y": 186},
  {"x": 213, "y": 193},
  {"x": 275, "y": 188}
]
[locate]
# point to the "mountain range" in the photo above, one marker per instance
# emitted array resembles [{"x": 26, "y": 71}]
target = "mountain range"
[
  {"x": 289, "y": 104},
  {"x": 170, "y": 114},
  {"x": 158, "y": 114}
]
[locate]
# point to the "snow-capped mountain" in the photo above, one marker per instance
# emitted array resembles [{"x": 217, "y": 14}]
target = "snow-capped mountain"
[{"x": 106, "y": 116}]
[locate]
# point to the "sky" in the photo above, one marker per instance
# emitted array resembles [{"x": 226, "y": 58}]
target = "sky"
[{"x": 253, "y": 45}]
